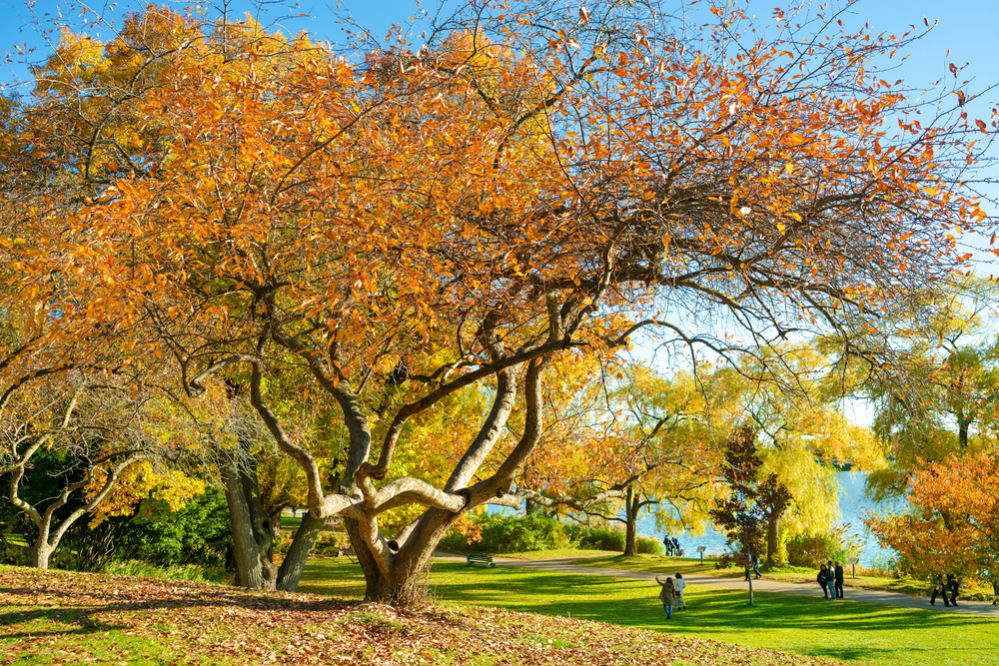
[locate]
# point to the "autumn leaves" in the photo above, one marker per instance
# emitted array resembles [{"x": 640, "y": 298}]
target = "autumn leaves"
[{"x": 232, "y": 205}]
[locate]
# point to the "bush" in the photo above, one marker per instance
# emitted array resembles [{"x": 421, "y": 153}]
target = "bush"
[
  {"x": 511, "y": 534},
  {"x": 197, "y": 533},
  {"x": 806, "y": 550},
  {"x": 598, "y": 538},
  {"x": 330, "y": 542},
  {"x": 726, "y": 560},
  {"x": 503, "y": 533},
  {"x": 648, "y": 546}
]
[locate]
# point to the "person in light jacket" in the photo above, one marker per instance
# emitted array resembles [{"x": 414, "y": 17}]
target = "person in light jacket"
[
  {"x": 678, "y": 586},
  {"x": 667, "y": 595}
]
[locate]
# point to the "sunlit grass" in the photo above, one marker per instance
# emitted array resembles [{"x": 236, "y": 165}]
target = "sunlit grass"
[{"x": 857, "y": 632}]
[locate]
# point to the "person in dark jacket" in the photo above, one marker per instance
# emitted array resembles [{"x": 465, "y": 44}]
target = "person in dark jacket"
[
  {"x": 838, "y": 578},
  {"x": 952, "y": 587},
  {"x": 823, "y": 580},
  {"x": 939, "y": 588}
]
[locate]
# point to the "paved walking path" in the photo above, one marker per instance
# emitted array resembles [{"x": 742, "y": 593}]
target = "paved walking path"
[{"x": 570, "y": 565}]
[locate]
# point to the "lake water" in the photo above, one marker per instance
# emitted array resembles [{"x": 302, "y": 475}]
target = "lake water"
[{"x": 853, "y": 502}]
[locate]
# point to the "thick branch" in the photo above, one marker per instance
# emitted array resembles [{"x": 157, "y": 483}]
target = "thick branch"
[
  {"x": 411, "y": 409},
  {"x": 297, "y": 453},
  {"x": 506, "y": 391}
]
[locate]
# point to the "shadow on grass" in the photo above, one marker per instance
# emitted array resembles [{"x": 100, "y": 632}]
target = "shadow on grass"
[
  {"x": 599, "y": 598},
  {"x": 852, "y": 631}
]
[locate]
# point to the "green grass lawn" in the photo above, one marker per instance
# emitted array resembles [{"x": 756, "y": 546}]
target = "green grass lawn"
[
  {"x": 291, "y": 523},
  {"x": 856, "y": 632},
  {"x": 660, "y": 564}
]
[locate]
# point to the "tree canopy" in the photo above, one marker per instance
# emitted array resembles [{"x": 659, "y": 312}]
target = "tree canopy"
[{"x": 404, "y": 223}]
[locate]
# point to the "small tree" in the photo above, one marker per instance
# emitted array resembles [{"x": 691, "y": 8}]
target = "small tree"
[
  {"x": 96, "y": 437},
  {"x": 752, "y": 504},
  {"x": 953, "y": 524}
]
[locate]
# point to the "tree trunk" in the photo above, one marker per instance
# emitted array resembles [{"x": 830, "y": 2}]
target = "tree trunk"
[
  {"x": 252, "y": 534},
  {"x": 963, "y": 424},
  {"x": 772, "y": 541},
  {"x": 399, "y": 584},
  {"x": 298, "y": 553},
  {"x": 39, "y": 552},
  {"x": 394, "y": 569},
  {"x": 750, "y": 577},
  {"x": 275, "y": 519},
  {"x": 403, "y": 580},
  {"x": 631, "y": 522}
]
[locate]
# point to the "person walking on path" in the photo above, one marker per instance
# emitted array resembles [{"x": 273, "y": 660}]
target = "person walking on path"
[
  {"x": 939, "y": 588},
  {"x": 756, "y": 567},
  {"x": 838, "y": 578},
  {"x": 678, "y": 586},
  {"x": 676, "y": 547},
  {"x": 668, "y": 545},
  {"x": 952, "y": 586},
  {"x": 823, "y": 580},
  {"x": 667, "y": 595}
]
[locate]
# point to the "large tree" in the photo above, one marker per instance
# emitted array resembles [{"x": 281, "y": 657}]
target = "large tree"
[
  {"x": 942, "y": 396},
  {"x": 407, "y": 223}
]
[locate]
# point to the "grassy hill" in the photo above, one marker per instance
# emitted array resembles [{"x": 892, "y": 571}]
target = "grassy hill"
[
  {"x": 63, "y": 617},
  {"x": 855, "y": 632}
]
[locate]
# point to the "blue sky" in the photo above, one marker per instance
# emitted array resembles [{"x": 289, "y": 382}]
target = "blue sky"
[{"x": 969, "y": 28}]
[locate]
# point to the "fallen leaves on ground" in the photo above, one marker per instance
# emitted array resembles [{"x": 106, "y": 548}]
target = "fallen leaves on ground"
[{"x": 55, "y": 616}]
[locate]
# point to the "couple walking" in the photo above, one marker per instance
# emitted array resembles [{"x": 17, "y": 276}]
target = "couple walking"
[
  {"x": 831, "y": 579},
  {"x": 944, "y": 589},
  {"x": 672, "y": 593}
]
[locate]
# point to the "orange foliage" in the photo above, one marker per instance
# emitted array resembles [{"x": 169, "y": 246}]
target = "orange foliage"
[
  {"x": 409, "y": 223},
  {"x": 953, "y": 525}
]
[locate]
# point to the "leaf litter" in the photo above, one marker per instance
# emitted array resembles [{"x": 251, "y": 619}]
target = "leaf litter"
[{"x": 74, "y": 617}]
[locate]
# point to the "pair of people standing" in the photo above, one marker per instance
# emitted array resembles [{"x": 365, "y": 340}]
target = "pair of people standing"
[
  {"x": 672, "y": 593},
  {"x": 672, "y": 545},
  {"x": 945, "y": 588},
  {"x": 830, "y": 578}
]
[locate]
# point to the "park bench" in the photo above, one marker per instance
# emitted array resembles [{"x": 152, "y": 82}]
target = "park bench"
[{"x": 479, "y": 560}]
